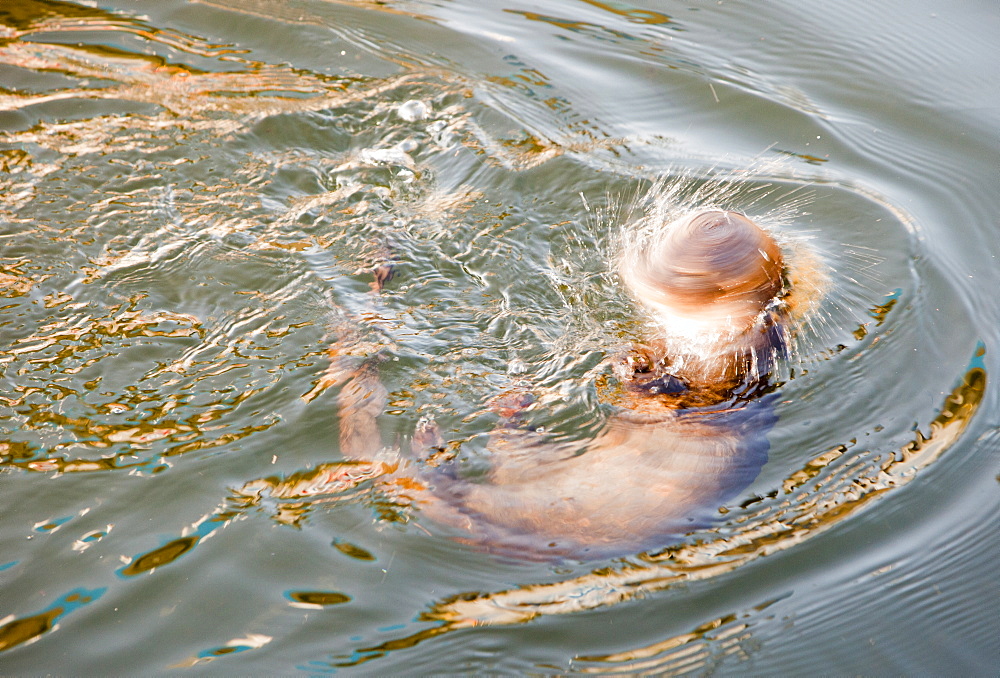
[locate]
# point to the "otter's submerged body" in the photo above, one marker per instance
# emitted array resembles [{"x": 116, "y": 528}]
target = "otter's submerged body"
[
  {"x": 691, "y": 422},
  {"x": 634, "y": 486}
]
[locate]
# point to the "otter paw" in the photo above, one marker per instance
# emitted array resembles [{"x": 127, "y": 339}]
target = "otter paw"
[
  {"x": 426, "y": 436},
  {"x": 511, "y": 404}
]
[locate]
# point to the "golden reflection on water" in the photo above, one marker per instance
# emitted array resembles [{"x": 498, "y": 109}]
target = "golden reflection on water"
[
  {"x": 696, "y": 651},
  {"x": 574, "y": 25},
  {"x": 317, "y": 599},
  {"x": 149, "y": 78},
  {"x": 27, "y": 17},
  {"x": 812, "y": 500},
  {"x": 136, "y": 427},
  {"x": 141, "y": 428},
  {"x": 208, "y": 106},
  {"x": 16, "y": 631},
  {"x": 640, "y": 16},
  {"x": 239, "y": 87},
  {"x": 251, "y": 641},
  {"x": 167, "y": 553},
  {"x": 299, "y": 493}
]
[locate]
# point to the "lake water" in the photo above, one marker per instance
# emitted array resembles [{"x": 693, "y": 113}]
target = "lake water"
[{"x": 193, "y": 196}]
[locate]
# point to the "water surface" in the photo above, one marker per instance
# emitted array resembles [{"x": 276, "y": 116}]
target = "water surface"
[{"x": 192, "y": 200}]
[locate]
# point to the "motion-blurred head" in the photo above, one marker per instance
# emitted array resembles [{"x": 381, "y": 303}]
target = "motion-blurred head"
[{"x": 710, "y": 273}]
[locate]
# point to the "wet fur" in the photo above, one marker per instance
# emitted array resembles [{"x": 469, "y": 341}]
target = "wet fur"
[{"x": 689, "y": 435}]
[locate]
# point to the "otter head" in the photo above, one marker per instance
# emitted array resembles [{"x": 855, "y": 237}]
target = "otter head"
[{"x": 706, "y": 274}]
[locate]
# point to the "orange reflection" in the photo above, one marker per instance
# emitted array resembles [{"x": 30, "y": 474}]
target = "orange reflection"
[
  {"x": 21, "y": 630},
  {"x": 811, "y": 159},
  {"x": 343, "y": 482},
  {"x": 699, "y": 649},
  {"x": 245, "y": 87},
  {"x": 639, "y": 16},
  {"x": 164, "y": 555},
  {"x": 315, "y": 599},
  {"x": 16, "y": 631},
  {"x": 573, "y": 26},
  {"x": 134, "y": 428}
]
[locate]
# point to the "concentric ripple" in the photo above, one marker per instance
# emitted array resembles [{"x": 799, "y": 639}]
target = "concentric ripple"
[{"x": 193, "y": 226}]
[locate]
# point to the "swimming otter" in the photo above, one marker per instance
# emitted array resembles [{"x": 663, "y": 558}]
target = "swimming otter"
[
  {"x": 689, "y": 431},
  {"x": 713, "y": 283}
]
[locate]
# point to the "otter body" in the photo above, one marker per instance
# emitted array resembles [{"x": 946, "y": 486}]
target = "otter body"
[
  {"x": 635, "y": 484},
  {"x": 690, "y": 430}
]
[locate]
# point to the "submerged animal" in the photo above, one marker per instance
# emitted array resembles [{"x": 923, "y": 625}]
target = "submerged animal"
[{"x": 690, "y": 424}]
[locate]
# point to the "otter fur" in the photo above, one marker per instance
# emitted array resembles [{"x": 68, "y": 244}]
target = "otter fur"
[{"x": 689, "y": 431}]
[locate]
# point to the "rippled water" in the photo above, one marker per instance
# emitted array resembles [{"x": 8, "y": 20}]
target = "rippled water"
[{"x": 198, "y": 199}]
